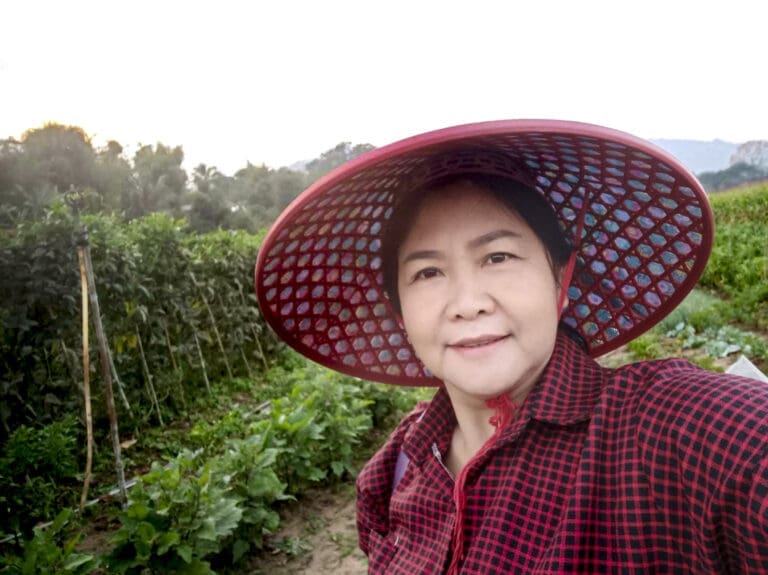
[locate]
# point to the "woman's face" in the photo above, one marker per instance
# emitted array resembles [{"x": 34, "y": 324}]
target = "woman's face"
[{"x": 478, "y": 296}]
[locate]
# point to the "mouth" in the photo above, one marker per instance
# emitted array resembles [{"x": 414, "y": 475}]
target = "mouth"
[{"x": 481, "y": 342}]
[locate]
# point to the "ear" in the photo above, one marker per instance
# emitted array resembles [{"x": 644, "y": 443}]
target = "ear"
[{"x": 563, "y": 281}]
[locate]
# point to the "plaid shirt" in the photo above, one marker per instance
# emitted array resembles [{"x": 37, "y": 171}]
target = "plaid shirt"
[{"x": 657, "y": 467}]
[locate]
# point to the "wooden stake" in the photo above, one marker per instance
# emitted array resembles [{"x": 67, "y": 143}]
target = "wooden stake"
[
  {"x": 148, "y": 379},
  {"x": 168, "y": 344},
  {"x": 213, "y": 324},
  {"x": 202, "y": 362},
  {"x": 255, "y": 335},
  {"x": 245, "y": 361},
  {"x": 86, "y": 380},
  {"x": 120, "y": 388},
  {"x": 114, "y": 431},
  {"x": 182, "y": 395}
]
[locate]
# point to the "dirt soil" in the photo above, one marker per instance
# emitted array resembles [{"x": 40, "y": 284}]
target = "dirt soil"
[{"x": 317, "y": 536}]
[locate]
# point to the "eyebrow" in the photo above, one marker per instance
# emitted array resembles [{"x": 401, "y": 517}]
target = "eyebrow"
[
  {"x": 492, "y": 236},
  {"x": 473, "y": 244}
]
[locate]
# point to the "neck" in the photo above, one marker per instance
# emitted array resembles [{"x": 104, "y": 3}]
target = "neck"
[{"x": 474, "y": 428}]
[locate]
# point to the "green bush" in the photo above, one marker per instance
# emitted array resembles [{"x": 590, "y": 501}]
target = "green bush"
[
  {"x": 738, "y": 266},
  {"x": 177, "y": 516},
  {"x": 52, "y": 551},
  {"x": 38, "y": 471},
  {"x": 213, "y": 505}
]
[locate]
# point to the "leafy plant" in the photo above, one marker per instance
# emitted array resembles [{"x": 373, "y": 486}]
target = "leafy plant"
[
  {"x": 720, "y": 342},
  {"x": 52, "y": 551},
  {"x": 38, "y": 470},
  {"x": 177, "y": 516},
  {"x": 254, "y": 481}
]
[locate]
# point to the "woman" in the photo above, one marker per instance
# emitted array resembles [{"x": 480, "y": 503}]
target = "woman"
[{"x": 494, "y": 261}]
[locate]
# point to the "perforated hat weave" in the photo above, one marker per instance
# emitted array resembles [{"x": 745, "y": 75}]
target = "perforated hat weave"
[{"x": 645, "y": 235}]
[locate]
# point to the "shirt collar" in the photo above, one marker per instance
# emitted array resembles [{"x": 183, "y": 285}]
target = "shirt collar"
[
  {"x": 565, "y": 393},
  {"x": 569, "y": 387}
]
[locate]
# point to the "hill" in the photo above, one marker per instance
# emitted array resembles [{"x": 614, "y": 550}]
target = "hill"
[{"x": 698, "y": 155}]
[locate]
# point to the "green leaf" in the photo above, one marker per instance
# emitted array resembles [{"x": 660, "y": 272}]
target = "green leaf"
[
  {"x": 185, "y": 552},
  {"x": 239, "y": 549},
  {"x": 76, "y": 560},
  {"x": 166, "y": 541}
]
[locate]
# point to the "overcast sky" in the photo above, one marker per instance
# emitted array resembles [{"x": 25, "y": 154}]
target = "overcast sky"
[{"x": 276, "y": 81}]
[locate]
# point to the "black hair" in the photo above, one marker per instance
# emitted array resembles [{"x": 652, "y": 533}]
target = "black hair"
[{"x": 529, "y": 204}]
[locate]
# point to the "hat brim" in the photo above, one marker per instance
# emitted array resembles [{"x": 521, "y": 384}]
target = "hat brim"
[{"x": 645, "y": 237}]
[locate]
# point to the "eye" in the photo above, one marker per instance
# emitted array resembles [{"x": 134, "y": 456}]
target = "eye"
[
  {"x": 425, "y": 274},
  {"x": 498, "y": 257}
]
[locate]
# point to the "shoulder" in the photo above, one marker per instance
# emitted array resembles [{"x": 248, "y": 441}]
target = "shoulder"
[
  {"x": 374, "y": 483},
  {"x": 675, "y": 390},
  {"x": 376, "y": 476},
  {"x": 701, "y": 425}
]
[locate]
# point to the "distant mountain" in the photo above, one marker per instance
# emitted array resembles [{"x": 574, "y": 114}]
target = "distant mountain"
[{"x": 700, "y": 156}]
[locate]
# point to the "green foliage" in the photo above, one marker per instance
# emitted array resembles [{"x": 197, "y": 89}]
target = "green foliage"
[
  {"x": 159, "y": 181},
  {"x": 177, "y": 515},
  {"x": 698, "y": 309},
  {"x": 38, "y": 470},
  {"x": 49, "y": 161},
  {"x": 256, "y": 484},
  {"x": 335, "y": 157},
  {"x": 720, "y": 341},
  {"x": 738, "y": 267},
  {"x": 645, "y": 346},
  {"x": 142, "y": 273},
  {"x": 52, "y": 551},
  {"x": 211, "y": 436},
  {"x": 214, "y": 505}
]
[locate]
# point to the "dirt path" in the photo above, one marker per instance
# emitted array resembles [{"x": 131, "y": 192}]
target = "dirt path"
[{"x": 317, "y": 536}]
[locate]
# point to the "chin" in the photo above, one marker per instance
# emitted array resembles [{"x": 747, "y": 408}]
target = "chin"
[{"x": 483, "y": 389}]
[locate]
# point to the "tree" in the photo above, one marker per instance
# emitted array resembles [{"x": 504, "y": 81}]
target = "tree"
[
  {"x": 731, "y": 177},
  {"x": 113, "y": 177},
  {"x": 333, "y": 158},
  {"x": 260, "y": 193},
  {"x": 159, "y": 181},
  {"x": 39, "y": 169},
  {"x": 209, "y": 206},
  {"x": 59, "y": 156}
]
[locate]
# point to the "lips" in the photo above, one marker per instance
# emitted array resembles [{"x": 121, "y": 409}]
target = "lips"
[{"x": 477, "y": 342}]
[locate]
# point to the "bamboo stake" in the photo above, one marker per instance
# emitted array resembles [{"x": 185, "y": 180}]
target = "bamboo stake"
[
  {"x": 202, "y": 362},
  {"x": 255, "y": 335},
  {"x": 213, "y": 323},
  {"x": 106, "y": 373},
  {"x": 86, "y": 380},
  {"x": 168, "y": 344},
  {"x": 120, "y": 388},
  {"x": 245, "y": 361},
  {"x": 182, "y": 395},
  {"x": 148, "y": 379}
]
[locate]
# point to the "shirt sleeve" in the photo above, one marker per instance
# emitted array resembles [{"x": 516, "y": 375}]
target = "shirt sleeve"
[
  {"x": 741, "y": 514},
  {"x": 705, "y": 442},
  {"x": 374, "y": 484}
]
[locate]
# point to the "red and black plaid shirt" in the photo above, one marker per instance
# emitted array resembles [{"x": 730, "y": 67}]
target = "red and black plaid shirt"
[{"x": 657, "y": 467}]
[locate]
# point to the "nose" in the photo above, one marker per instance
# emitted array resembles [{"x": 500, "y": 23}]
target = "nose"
[{"x": 468, "y": 297}]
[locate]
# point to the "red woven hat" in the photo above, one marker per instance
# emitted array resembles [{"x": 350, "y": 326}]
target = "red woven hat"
[{"x": 640, "y": 220}]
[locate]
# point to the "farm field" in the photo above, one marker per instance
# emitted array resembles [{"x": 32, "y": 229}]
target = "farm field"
[{"x": 245, "y": 453}]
